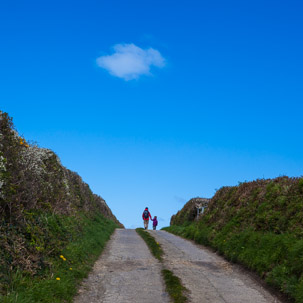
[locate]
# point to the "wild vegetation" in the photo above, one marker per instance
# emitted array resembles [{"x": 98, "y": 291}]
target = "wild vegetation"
[
  {"x": 52, "y": 227},
  {"x": 258, "y": 224}
]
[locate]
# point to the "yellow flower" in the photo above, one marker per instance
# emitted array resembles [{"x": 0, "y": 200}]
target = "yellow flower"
[
  {"x": 70, "y": 268},
  {"x": 64, "y": 259},
  {"x": 61, "y": 256},
  {"x": 58, "y": 279}
]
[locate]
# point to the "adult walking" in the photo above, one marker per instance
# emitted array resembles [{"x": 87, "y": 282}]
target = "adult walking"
[{"x": 146, "y": 215}]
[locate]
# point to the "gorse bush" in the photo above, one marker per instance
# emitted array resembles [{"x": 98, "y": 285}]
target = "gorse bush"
[{"x": 258, "y": 224}]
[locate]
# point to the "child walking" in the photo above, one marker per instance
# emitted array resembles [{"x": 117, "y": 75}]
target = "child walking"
[{"x": 155, "y": 222}]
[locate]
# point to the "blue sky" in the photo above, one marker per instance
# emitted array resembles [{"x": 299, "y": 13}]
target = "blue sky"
[{"x": 156, "y": 102}]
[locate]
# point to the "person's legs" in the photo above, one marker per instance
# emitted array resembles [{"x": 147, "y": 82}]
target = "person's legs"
[
  {"x": 154, "y": 227},
  {"x": 145, "y": 224}
]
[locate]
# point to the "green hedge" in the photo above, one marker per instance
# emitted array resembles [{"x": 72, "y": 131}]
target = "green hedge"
[{"x": 258, "y": 224}]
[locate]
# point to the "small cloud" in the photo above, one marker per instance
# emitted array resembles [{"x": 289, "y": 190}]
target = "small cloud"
[
  {"x": 180, "y": 199},
  {"x": 130, "y": 61}
]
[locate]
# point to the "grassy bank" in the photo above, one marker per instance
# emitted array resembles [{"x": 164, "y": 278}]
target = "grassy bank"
[
  {"x": 258, "y": 224},
  {"x": 172, "y": 283},
  {"x": 276, "y": 258},
  {"x": 52, "y": 226},
  {"x": 68, "y": 248}
]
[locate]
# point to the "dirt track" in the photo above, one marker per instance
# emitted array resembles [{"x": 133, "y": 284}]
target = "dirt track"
[{"x": 127, "y": 272}]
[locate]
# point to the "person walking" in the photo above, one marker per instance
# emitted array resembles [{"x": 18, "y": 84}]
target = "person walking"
[
  {"x": 155, "y": 222},
  {"x": 146, "y": 215}
]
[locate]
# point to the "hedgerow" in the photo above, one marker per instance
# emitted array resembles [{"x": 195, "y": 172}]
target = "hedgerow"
[
  {"x": 258, "y": 224},
  {"x": 44, "y": 209}
]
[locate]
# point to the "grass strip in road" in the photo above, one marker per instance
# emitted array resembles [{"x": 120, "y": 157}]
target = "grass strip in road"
[
  {"x": 172, "y": 283},
  {"x": 154, "y": 246},
  {"x": 174, "y": 287}
]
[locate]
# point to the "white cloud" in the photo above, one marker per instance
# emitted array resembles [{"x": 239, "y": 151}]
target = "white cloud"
[{"x": 130, "y": 61}]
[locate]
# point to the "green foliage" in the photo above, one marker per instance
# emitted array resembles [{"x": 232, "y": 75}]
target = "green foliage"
[
  {"x": 188, "y": 212},
  {"x": 174, "y": 287},
  {"x": 276, "y": 258},
  {"x": 154, "y": 246},
  {"x": 78, "y": 248},
  {"x": 46, "y": 210},
  {"x": 300, "y": 185},
  {"x": 258, "y": 224},
  {"x": 33, "y": 178}
]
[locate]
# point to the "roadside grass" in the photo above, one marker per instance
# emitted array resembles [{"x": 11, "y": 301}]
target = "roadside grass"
[
  {"x": 172, "y": 283},
  {"x": 277, "y": 258},
  {"x": 258, "y": 224},
  {"x": 67, "y": 266}
]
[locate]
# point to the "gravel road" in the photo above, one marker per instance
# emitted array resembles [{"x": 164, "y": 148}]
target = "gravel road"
[
  {"x": 127, "y": 272},
  {"x": 207, "y": 276}
]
